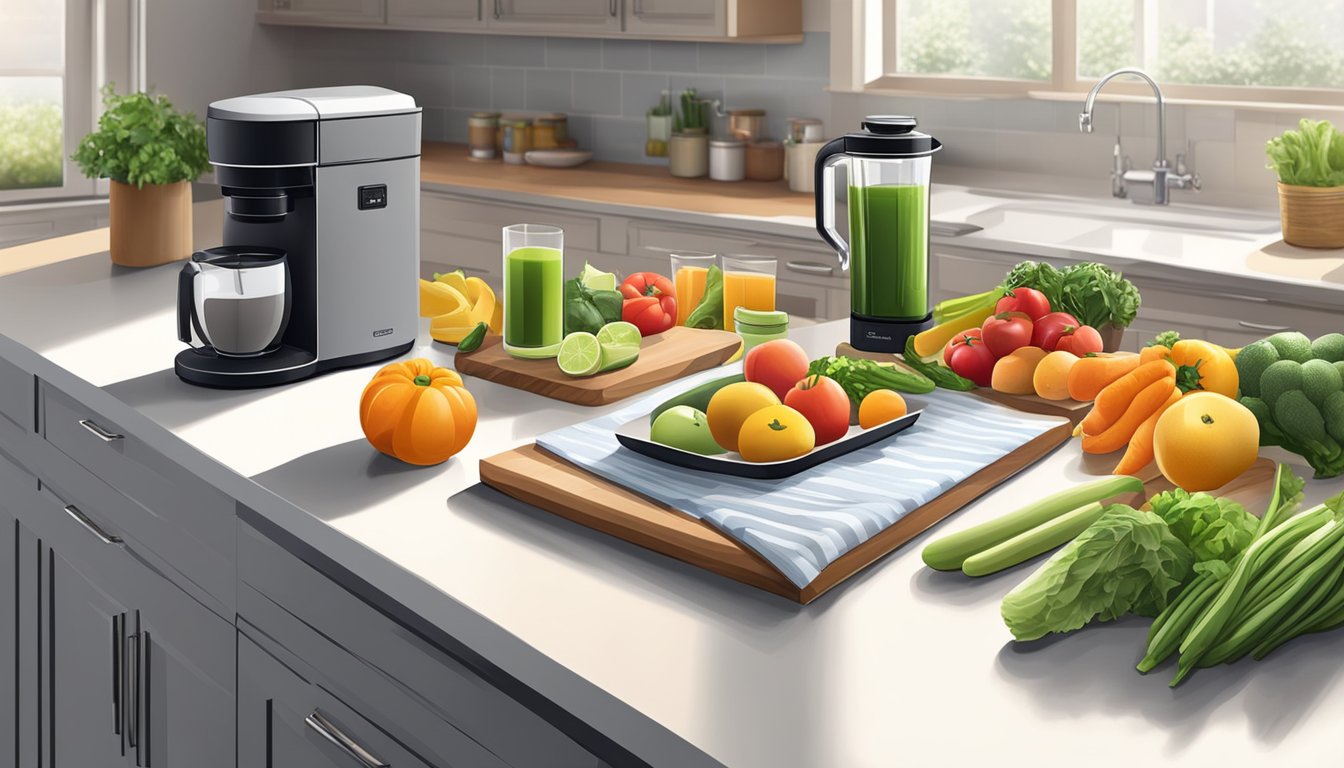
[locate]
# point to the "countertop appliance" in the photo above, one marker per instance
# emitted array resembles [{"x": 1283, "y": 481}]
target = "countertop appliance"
[
  {"x": 887, "y": 253},
  {"x": 329, "y": 178}
]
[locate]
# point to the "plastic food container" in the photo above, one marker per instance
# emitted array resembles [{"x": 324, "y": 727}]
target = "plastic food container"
[
  {"x": 757, "y": 327},
  {"x": 727, "y": 159}
]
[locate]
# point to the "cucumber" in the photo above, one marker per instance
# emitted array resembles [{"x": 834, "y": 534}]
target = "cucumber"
[
  {"x": 472, "y": 341},
  {"x": 950, "y": 552},
  {"x": 698, "y": 397},
  {"x": 1037, "y": 541}
]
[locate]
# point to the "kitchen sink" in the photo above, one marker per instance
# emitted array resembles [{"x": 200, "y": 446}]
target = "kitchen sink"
[{"x": 1070, "y": 215}]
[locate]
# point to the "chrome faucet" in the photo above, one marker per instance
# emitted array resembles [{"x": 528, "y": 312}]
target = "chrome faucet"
[{"x": 1150, "y": 187}]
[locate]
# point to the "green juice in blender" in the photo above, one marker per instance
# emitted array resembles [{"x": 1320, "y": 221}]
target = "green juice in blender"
[
  {"x": 533, "y": 301},
  {"x": 889, "y": 240}
]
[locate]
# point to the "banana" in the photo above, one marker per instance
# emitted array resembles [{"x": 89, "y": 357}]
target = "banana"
[
  {"x": 478, "y": 305},
  {"x": 441, "y": 299}
]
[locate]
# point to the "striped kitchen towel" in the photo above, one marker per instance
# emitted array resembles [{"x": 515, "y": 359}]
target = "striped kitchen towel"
[{"x": 805, "y": 522}]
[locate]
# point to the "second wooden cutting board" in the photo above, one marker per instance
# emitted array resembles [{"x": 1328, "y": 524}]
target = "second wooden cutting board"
[{"x": 663, "y": 357}]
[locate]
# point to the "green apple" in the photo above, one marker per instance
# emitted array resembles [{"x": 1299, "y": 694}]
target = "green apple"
[{"x": 686, "y": 428}]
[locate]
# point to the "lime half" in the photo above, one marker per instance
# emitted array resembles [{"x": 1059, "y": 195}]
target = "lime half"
[
  {"x": 618, "y": 356},
  {"x": 619, "y": 334},
  {"x": 580, "y": 354},
  {"x": 596, "y": 280}
]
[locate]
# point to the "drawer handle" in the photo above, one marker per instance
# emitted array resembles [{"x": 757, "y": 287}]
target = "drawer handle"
[
  {"x": 90, "y": 526},
  {"x": 810, "y": 268},
  {"x": 101, "y": 433},
  {"x": 318, "y": 722},
  {"x": 1263, "y": 327}
]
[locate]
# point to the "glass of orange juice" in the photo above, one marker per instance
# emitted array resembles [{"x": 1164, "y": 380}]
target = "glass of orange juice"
[
  {"x": 748, "y": 281},
  {"x": 689, "y": 269}
]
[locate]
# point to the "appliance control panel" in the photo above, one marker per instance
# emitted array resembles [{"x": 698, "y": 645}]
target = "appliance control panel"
[{"x": 372, "y": 196}]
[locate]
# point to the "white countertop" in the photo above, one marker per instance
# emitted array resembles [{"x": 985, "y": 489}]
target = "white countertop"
[{"x": 899, "y": 665}]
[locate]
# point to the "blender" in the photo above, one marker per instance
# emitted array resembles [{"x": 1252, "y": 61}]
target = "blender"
[{"x": 887, "y": 254}]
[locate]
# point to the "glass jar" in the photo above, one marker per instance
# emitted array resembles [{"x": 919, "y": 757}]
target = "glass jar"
[
  {"x": 727, "y": 159},
  {"x": 517, "y": 141},
  {"x": 550, "y": 131},
  {"x": 483, "y": 135},
  {"x": 757, "y": 327}
]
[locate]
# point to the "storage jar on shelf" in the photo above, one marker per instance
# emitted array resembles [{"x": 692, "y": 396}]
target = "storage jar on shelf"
[
  {"x": 727, "y": 159},
  {"x": 688, "y": 155}
]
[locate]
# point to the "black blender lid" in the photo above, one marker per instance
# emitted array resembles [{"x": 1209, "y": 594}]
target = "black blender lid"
[
  {"x": 890, "y": 136},
  {"x": 239, "y": 256}
]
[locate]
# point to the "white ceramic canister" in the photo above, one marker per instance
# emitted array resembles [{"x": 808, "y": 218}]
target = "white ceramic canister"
[
  {"x": 727, "y": 159},
  {"x": 800, "y": 164}
]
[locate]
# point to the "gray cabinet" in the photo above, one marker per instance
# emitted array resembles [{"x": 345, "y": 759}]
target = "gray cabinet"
[
  {"x": 555, "y": 15},
  {"x": 325, "y": 11},
  {"x": 449, "y": 15},
  {"x": 692, "y": 18},
  {"x": 19, "y": 726}
]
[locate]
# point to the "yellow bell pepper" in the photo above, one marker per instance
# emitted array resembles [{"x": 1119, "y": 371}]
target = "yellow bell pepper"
[{"x": 1199, "y": 365}]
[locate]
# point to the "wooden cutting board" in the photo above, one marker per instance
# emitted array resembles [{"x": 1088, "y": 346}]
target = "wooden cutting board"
[
  {"x": 1073, "y": 410},
  {"x": 544, "y": 480},
  {"x": 663, "y": 357}
]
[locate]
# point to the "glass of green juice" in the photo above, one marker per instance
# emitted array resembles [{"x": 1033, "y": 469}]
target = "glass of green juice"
[{"x": 534, "y": 290}]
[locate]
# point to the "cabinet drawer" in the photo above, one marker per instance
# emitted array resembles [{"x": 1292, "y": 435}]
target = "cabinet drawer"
[
  {"x": 16, "y": 397},
  {"x": 292, "y": 603},
  {"x": 486, "y": 221},
  {"x": 139, "y": 491}
]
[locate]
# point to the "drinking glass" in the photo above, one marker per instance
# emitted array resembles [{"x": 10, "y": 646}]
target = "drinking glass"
[
  {"x": 534, "y": 290},
  {"x": 689, "y": 270},
  {"x": 748, "y": 281}
]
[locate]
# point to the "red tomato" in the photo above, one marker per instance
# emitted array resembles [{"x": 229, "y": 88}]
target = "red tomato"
[
  {"x": 1046, "y": 331},
  {"x": 1005, "y": 332},
  {"x": 971, "y": 359},
  {"x": 650, "y": 314},
  {"x": 1083, "y": 340},
  {"x": 777, "y": 364},
  {"x": 974, "y": 333},
  {"x": 1029, "y": 301},
  {"x": 824, "y": 404},
  {"x": 647, "y": 284}
]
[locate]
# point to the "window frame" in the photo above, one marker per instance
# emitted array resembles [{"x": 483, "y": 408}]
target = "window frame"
[
  {"x": 103, "y": 41},
  {"x": 866, "y": 23}
]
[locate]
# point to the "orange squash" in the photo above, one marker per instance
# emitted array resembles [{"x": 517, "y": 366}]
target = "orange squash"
[{"x": 416, "y": 412}]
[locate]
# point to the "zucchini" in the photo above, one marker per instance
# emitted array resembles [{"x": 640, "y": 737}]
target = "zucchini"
[
  {"x": 697, "y": 397},
  {"x": 935, "y": 371},
  {"x": 472, "y": 341},
  {"x": 950, "y": 552}
]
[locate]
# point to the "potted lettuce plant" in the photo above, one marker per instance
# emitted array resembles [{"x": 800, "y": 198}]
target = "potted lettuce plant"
[
  {"x": 151, "y": 153},
  {"x": 1310, "y": 165}
]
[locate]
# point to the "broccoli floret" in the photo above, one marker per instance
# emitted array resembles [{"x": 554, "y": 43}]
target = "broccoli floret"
[
  {"x": 1292, "y": 345},
  {"x": 1333, "y": 410},
  {"x": 1319, "y": 380},
  {"x": 1283, "y": 376},
  {"x": 1252, "y": 361},
  {"x": 1299, "y": 419},
  {"x": 1329, "y": 348},
  {"x": 1340, "y": 367},
  {"x": 1268, "y": 432}
]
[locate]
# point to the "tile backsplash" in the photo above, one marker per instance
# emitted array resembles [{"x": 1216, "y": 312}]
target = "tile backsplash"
[{"x": 606, "y": 86}]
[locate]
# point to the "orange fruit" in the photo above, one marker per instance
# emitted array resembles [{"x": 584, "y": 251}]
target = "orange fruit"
[
  {"x": 731, "y": 406},
  {"x": 879, "y": 407},
  {"x": 1205, "y": 441}
]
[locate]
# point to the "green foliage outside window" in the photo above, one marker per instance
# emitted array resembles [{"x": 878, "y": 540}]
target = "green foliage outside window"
[{"x": 30, "y": 145}]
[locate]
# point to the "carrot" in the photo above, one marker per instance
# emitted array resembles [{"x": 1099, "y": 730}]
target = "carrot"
[
  {"x": 1092, "y": 374},
  {"x": 1155, "y": 352},
  {"x": 1140, "y": 451},
  {"x": 1114, "y": 399},
  {"x": 1140, "y": 408}
]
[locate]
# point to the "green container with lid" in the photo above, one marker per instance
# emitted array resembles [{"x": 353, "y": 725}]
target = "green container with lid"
[{"x": 757, "y": 327}]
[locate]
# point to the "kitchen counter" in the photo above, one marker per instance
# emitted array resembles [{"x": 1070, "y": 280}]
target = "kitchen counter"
[{"x": 898, "y": 665}]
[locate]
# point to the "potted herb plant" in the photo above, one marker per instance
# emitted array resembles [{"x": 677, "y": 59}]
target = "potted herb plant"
[
  {"x": 660, "y": 127},
  {"x": 1310, "y": 165},
  {"x": 152, "y": 153},
  {"x": 688, "y": 151}
]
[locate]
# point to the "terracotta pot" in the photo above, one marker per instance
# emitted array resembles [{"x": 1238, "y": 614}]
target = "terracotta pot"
[
  {"x": 1111, "y": 336},
  {"x": 150, "y": 225},
  {"x": 1312, "y": 217}
]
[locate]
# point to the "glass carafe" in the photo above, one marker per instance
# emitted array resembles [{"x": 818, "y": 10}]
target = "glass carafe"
[{"x": 887, "y": 253}]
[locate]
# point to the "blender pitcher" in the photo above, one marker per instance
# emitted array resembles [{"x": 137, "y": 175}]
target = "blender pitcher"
[{"x": 887, "y": 253}]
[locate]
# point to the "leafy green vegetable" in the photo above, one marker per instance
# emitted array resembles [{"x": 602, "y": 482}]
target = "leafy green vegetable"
[
  {"x": 709, "y": 312},
  {"x": 141, "y": 139},
  {"x": 1096, "y": 295},
  {"x": 1127, "y": 562},
  {"x": 860, "y": 377},
  {"x": 589, "y": 310},
  {"x": 1166, "y": 339},
  {"x": 1213, "y": 528},
  {"x": 1311, "y": 156}
]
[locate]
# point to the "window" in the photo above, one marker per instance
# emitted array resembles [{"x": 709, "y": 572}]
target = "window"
[
  {"x": 1289, "y": 51},
  {"x": 53, "y": 54}
]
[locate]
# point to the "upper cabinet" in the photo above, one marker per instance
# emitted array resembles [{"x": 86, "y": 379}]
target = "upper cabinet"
[
  {"x": 776, "y": 21},
  {"x": 452, "y": 15},
  {"x": 325, "y": 12},
  {"x": 556, "y": 16}
]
